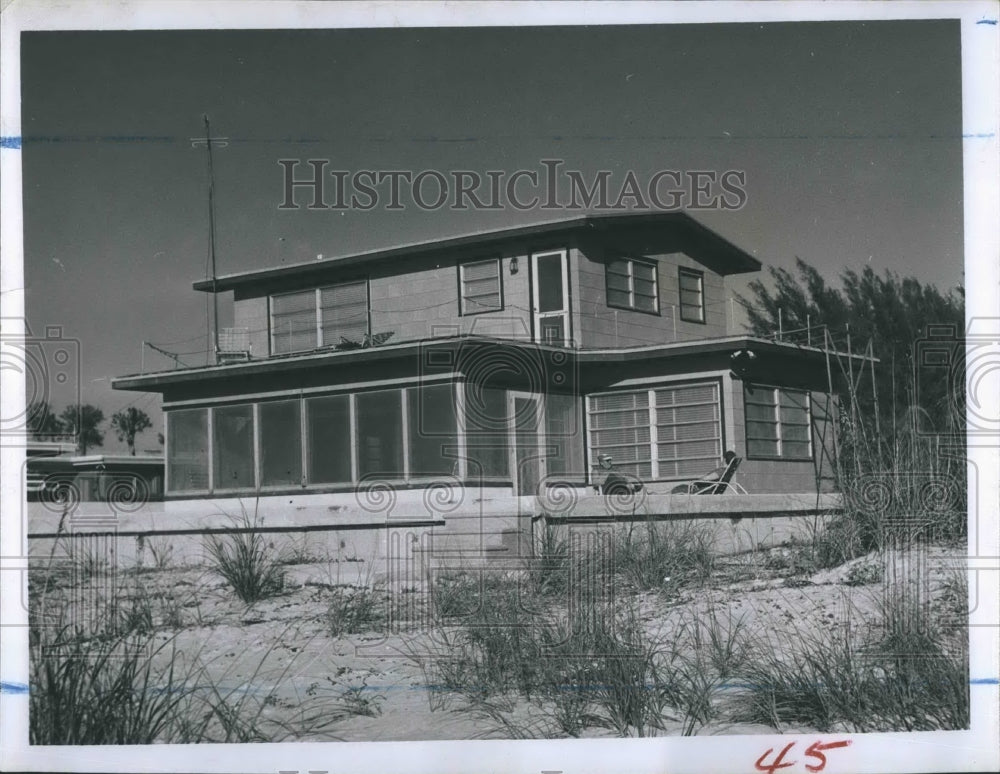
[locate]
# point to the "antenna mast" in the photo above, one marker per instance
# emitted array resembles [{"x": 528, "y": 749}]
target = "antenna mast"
[{"x": 211, "y": 240}]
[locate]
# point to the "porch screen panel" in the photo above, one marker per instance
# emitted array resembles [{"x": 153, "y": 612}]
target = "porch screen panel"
[
  {"x": 343, "y": 311},
  {"x": 433, "y": 430},
  {"x": 232, "y": 439},
  {"x": 761, "y": 421},
  {"x": 380, "y": 434},
  {"x": 280, "y": 443},
  {"x": 564, "y": 436},
  {"x": 688, "y": 430},
  {"x": 328, "y": 428},
  {"x": 293, "y": 322},
  {"x": 486, "y": 428},
  {"x": 620, "y": 428},
  {"x": 187, "y": 450}
]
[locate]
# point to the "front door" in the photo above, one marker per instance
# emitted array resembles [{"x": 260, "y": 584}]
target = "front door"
[
  {"x": 550, "y": 298},
  {"x": 527, "y": 463}
]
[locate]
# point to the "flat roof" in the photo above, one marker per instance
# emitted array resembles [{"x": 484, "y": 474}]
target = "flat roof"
[
  {"x": 713, "y": 247},
  {"x": 96, "y": 460},
  {"x": 154, "y": 381}
]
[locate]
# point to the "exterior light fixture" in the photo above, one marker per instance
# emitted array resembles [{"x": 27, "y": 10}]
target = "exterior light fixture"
[{"x": 513, "y": 265}]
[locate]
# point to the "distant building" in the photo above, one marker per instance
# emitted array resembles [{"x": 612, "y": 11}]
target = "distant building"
[
  {"x": 56, "y": 474},
  {"x": 508, "y": 361}
]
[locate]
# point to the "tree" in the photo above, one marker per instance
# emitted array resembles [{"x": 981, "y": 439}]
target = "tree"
[
  {"x": 42, "y": 421},
  {"x": 83, "y": 421},
  {"x": 893, "y": 313},
  {"x": 128, "y": 424}
]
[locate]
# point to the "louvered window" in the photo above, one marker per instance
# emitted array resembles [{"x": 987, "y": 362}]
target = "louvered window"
[
  {"x": 692, "y": 295},
  {"x": 321, "y": 317},
  {"x": 343, "y": 311},
  {"x": 778, "y": 422},
  {"x": 631, "y": 284},
  {"x": 480, "y": 286},
  {"x": 661, "y": 433}
]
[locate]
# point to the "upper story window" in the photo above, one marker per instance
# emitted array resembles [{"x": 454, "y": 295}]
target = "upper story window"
[
  {"x": 777, "y": 422},
  {"x": 692, "y": 295},
  {"x": 320, "y": 317},
  {"x": 631, "y": 284},
  {"x": 480, "y": 286}
]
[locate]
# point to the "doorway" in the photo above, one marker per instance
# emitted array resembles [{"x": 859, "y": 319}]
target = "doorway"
[{"x": 550, "y": 298}]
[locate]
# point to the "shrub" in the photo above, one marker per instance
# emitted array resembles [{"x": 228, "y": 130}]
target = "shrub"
[
  {"x": 904, "y": 676},
  {"x": 355, "y": 610},
  {"x": 674, "y": 552},
  {"x": 243, "y": 559}
]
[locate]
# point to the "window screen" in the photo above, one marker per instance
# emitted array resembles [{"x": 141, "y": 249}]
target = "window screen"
[
  {"x": 280, "y": 443},
  {"x": 486, "y": 429},
  {"x": 293, "y": 322},
  {"x": 480, "y": 283},
  {"x": 232, "y": 439},
  {"x": 343, "y": 313},
  {"x": 329, "y": 431},
  {"x": 187, "y": 450},
  {"x": 433, "y": 431},
  {"x": 380, "y": 434},
  {"x": 314, "y": 318}
]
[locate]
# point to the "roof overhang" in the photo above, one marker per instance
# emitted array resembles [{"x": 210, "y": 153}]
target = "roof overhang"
[
  {"x": 158, "y": 382},
  {"x": 722, "y": 253}
]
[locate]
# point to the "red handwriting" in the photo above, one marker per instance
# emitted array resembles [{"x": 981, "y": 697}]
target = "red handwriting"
[{"x": 815, "y": 751}]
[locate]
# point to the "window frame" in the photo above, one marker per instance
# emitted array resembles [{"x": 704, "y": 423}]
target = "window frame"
[
  {"x": 259, "y": 445},
  {"x": 775, "y": 393},
  {"x": 408, "y": 476},
  {"x": 700, "y": 276},
  {"x": 630, "y": 262},
  {"x": 317, "y": 309},
  {"x": 651, "y": 406},
  {"x": 168, "y": 489},
  {"x": 462, "y": 310}
]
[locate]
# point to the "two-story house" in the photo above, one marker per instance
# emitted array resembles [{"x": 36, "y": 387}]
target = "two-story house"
[{"x": 501, "y": 363}]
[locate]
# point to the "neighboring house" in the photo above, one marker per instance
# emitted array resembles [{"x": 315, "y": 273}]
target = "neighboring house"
[
  {"x": 56, "y": 475},
  {"x": 506, "y": 361}
]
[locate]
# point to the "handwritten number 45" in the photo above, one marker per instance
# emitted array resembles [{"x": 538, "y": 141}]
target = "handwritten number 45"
[{"x": 815, "y": 751}]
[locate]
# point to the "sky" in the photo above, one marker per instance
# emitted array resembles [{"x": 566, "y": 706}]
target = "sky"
[{"x": 849, "y": 134}]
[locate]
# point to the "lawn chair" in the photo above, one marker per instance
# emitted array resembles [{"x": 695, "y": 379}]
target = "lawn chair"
[{"x": 718, "y": 481}]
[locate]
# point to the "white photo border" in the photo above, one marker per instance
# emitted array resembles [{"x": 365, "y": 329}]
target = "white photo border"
[{"x": 975, "y": 749}]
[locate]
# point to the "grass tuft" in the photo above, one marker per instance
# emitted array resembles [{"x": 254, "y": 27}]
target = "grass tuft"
[{"x": 244, "y": 560}]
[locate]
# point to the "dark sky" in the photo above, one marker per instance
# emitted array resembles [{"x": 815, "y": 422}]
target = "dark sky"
[{"x": 849, "y": 134}]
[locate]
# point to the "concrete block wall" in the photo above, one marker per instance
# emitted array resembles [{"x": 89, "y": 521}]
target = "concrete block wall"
[
  {"x": 423, "y": 301},
  {"x": 599, "y": 325}
]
